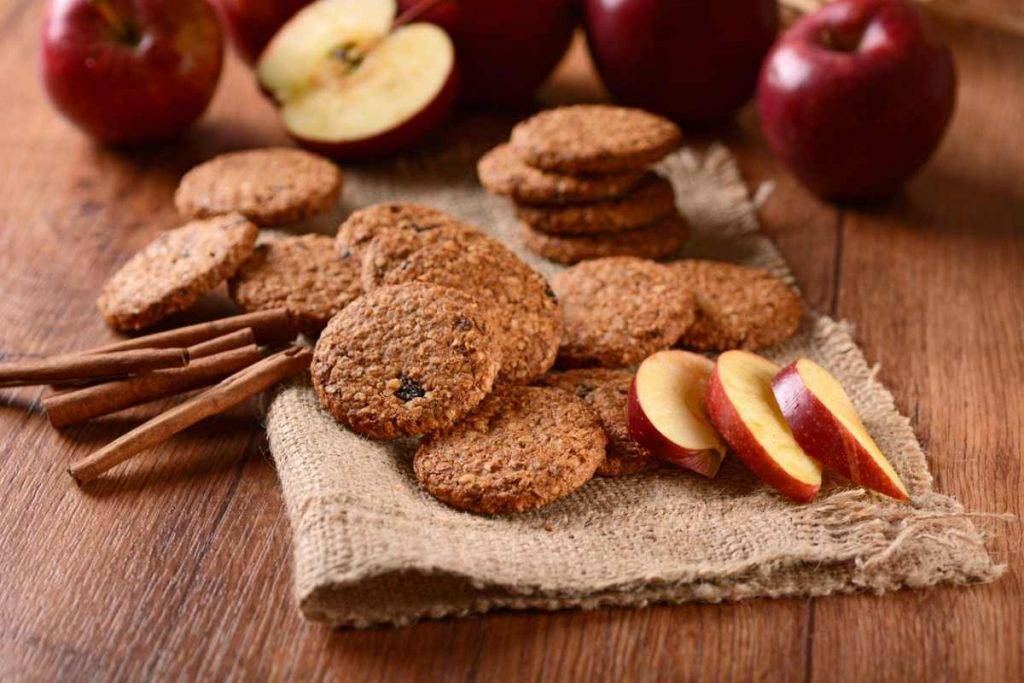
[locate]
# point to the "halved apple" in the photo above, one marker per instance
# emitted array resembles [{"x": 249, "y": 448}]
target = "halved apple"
[
  {"x": 825, "y": 423},
  {"x": 743, "y": 409},
  {"x": 665, "y": 411},
  {"x": 351, "y": 85}
]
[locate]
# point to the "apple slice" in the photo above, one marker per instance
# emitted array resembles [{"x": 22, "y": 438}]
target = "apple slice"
[
  {"x": 825, "y": 423},
  {"x": 665, "y": 411},
  {"x": 743, "y": 409},
  {"x": 351, "y": 85}
]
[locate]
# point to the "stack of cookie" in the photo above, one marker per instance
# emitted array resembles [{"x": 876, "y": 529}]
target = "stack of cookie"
[{"x": 582, "y": 186}]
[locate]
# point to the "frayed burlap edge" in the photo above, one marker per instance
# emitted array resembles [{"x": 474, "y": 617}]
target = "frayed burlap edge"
[{"x": 371, "y": 548}]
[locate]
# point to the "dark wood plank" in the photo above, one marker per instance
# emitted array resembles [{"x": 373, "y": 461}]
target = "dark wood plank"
[{"x": 179, "y": 565}]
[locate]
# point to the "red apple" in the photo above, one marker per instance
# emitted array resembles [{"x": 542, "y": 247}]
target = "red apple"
[
  {"x": 855, "y": 97},
  {"x": 131, "y": 71},
  {"x": 693, "y": 61},
  {"x": 506, "y": 48},
  {"x": 665, "y": 411},
  {"x": 252, "y": 23},
  {"x": 743, "y": 409},
  {"x": 826, "y": 425},
  {"x": 351, "y": 85}
]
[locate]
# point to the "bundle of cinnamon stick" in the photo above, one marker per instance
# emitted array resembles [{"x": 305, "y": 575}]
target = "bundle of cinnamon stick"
[{"x": 226, "y": 353}]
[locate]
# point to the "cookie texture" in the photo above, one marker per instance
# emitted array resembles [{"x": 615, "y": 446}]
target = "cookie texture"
[
  {"x": 620, "y": 310},
  {"x": 268, "y": 186},
  {"x": 390, "y": 248},
  {"x": 501, "y": 171},
  {"x": 737, "y": 307},
  {"x": 606, "y": 391},
  {"x": 528, "y": 320},
  {"x": 655, "y": 241},
  {"x": 175, "y": 269},
  {"x": 365, "y": 224},
  {"x": 651, "y": 200},
  {"x": 594, "y": 138},
  {"x": 521, "y": 449},
  {"x": 405, "y": 360},
  {"x": 303, "y": 274}
]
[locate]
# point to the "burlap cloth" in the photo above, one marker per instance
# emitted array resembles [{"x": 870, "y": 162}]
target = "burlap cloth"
[{"x": 371, "y": 547}]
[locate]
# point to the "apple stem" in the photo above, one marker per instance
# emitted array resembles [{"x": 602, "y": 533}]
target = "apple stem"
[
  {"x": 121, "y": 29},
  {"x": 415, "y": 12}
]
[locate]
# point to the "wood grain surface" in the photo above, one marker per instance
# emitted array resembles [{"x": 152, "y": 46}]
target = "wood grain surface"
[{"x": 177, "y": 566}]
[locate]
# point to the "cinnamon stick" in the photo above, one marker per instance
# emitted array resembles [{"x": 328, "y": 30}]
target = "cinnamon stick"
[
  {"x": 79, "y": 405},
  {"x": 231, "y": 340},
  {"x": 225, "y": 342},
  {"x": 73, "y": 367},
  {"x": 270, "y": 327},
  {"x": 229, "y": 392}
]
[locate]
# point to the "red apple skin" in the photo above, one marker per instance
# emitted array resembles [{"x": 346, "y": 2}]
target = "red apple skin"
[
  {"x": 731, "y": 427},
  {"x": 409, "y": 131},
  {"x": 252, "y": 23},
  {"x": 856, "y": 124},
  {"x": 645, "y": 434},
  {"x": 822, "y": 436},
  {"x": 694, "y": 62},
  {"x": 505, "y": 48},
  {"x": 136, "y": 91}
]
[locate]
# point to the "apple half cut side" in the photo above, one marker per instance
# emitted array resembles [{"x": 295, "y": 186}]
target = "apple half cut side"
[
  {"x": 742, "y": 407},
  {"x": 826, "y": 425},
  {"x": 349, "y": 85},
  {"x": 666, "y": 415}
]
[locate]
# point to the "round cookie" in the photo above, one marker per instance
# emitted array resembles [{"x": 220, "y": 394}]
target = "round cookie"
[
  {"x": 620, "y": 310},
  {"x": 654, "y": 241},
  {"x": 268, "y": 186},
  {"x": 528, "y": 321},
  {"x": 737, "y": 307},
  {"x": 303, "y": 274},
  {"x": 365, "y": 224},
  {"x": 594, "y": 138},
  {"x": 521, "y": 449},
  {"x": 652, "y": 200},
  {"x": 405, "y": 360},
  {"x": 390, "y": 248},
  {"x": 501, "y": 171},
  {"x": 606, "y": 391},
  {"x": 175, "y": 269}
]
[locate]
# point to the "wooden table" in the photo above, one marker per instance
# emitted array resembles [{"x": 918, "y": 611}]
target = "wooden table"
[{"x": 178, "y": 566}]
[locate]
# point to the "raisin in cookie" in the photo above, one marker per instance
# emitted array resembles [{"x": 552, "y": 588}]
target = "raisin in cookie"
[{"x": 406, "y": 360}]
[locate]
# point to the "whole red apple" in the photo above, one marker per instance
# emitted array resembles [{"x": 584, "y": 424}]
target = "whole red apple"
[
  {"x": 694, "y": 61},
  {"x": 252, "y": 23},
  {"x": 131, "y": 71},
  {"x": 505, "y": 48},
  {"x": 855, "y": 97}
]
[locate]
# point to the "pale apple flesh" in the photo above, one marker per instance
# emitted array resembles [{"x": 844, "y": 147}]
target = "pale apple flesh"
[
  {"x": 742, "y": 407},
  {"x": 350, "y": 85},
  {"x": 666, "y": 415},
  {"x": 825, "y": 423}
]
